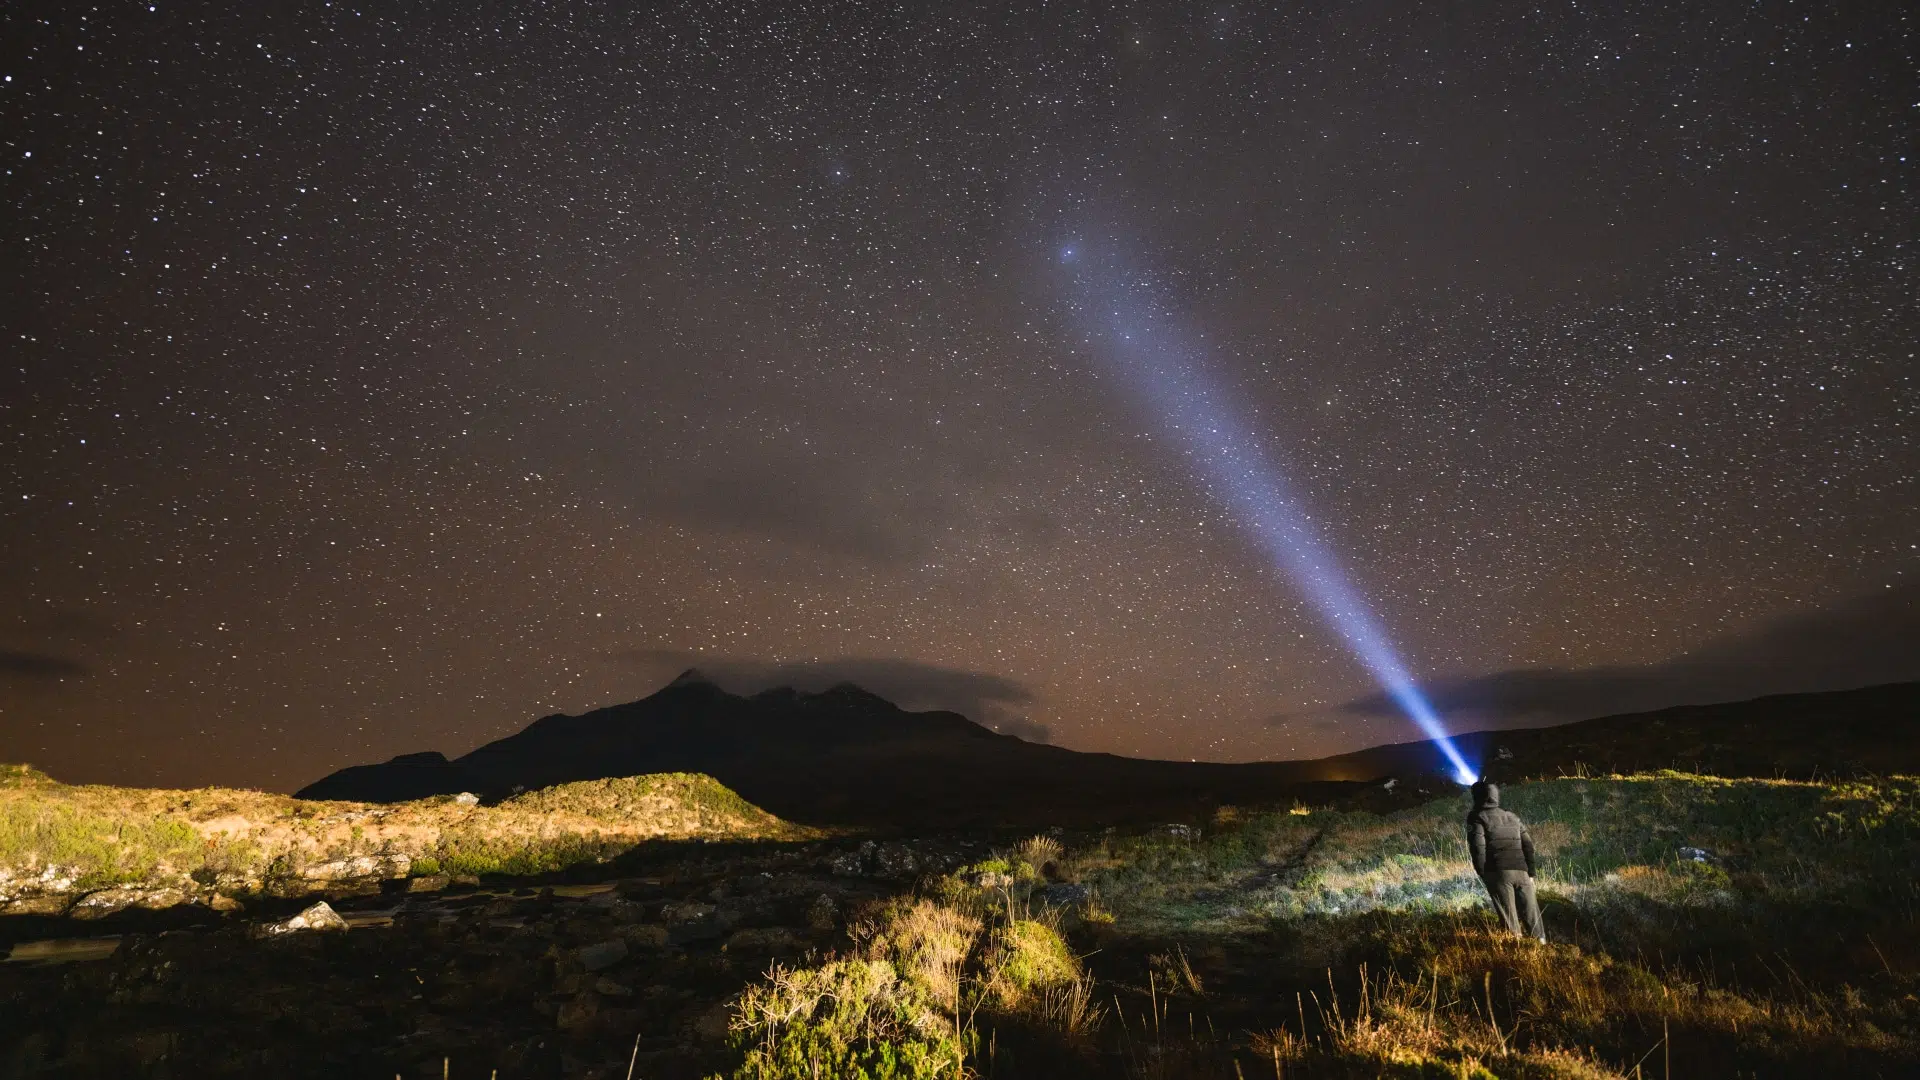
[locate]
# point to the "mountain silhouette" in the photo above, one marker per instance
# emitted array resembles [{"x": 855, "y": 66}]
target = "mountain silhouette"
[
  {"x": 841, "y": 756},
  {"x": 845, "y": 756}
]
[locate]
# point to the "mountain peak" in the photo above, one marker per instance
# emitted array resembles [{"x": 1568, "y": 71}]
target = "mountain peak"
[{"x": 691, "y": 677}]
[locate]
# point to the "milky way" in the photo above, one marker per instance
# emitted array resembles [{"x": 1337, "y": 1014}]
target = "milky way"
[{"x": 381, "y": 380}]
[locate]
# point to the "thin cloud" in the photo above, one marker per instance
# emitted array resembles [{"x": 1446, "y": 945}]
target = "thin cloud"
[
  {"x": 33, "y": 666},
  {"x": 1867, "y": 640},
  {"x": 990, "y": 699}
]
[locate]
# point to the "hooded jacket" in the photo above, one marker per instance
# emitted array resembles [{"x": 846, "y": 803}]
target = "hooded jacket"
[{"x": 1496, "y": 838}]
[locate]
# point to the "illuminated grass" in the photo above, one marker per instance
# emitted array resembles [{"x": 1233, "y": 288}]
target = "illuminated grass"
[
  {"x": 1688, "y": 839},
  {"x": 58, "y": 839}
]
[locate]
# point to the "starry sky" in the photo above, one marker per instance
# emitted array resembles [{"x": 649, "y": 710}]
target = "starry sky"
[{"x": 380, "y": 378}]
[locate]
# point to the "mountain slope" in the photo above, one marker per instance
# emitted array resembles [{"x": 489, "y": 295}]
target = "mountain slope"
[
  {"x": 845, "y": 756},
  {"x": 1872, "y": 731}
]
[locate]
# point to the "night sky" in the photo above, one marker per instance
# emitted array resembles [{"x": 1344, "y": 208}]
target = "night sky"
[{"x": 380, "y": 379}]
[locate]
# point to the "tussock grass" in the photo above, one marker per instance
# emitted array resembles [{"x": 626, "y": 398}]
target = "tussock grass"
[
  {"x": 909, "y": 999},
  {"x": 1701, "y": 927},
  {"x": 1687, "y": 840},
  {"x": 1755, "y": 925}
]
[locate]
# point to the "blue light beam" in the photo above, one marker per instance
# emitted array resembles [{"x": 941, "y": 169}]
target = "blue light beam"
[{"x": 1162, "y": 369}]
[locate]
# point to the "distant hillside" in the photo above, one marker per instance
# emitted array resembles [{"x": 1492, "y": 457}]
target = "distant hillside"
[
  {"x": 1873, "y": 731},
  {"x": 846, "y": 756},
  {"x": 93, "y": 849},
  {"x": 842, "y": 756}
]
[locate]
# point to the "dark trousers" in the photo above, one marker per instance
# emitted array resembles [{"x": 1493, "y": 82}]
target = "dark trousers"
[{"x": 1512, "y": 892}]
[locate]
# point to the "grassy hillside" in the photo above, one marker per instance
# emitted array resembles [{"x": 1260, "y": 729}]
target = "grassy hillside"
[
  {"x": 1680, "y": 840},
  {"x": 91, "y": 847},
  {"x": 1840, "y": 734},
  {"x": 1699, "y": 926}
]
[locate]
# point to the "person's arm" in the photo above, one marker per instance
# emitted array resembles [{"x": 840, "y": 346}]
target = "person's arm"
[
  {"x": 1526, "y": 847},
  {"x": 1477, "y": 844}
]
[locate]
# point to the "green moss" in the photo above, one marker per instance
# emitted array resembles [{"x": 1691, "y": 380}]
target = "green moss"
[{"x": 1027, "y": 958}]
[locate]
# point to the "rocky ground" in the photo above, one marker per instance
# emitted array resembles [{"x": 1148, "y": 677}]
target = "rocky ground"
[{"x": 580, "y": 977}]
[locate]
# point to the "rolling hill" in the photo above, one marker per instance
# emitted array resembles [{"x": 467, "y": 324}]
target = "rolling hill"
[{"x": 848, "y": 757}]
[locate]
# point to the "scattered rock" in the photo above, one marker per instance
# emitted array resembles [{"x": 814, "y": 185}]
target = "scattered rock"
[
  {"x": 120, "y": 897},
  {"x": 578, "y": 1015},
  {"x": 644, "y": 936},
  {"x": 711, "y": 1025},
  {"x": 691, "y": 911},
  {"x": 770, "y": 939},
  {"x": 1066, "y": 895},
  {"x": 622, "y": 910},
  {"x": 222, "y": 902},
  {"x": 1699, "y": 855},
  {"x": 466, "y": 798},
  {"x": 991, "y": 879},
  {"x": 319, "y": 917},
  {"x": 358, "y": 866},
  {"x": 428, "y": 883},
  {"x": 823, "y": 914},
  {"x": 853, "y": 863},
  {"x": 895, "y": 860},
  {"x": 603, "y": 954},
  {"x": 609, "y": 988}
]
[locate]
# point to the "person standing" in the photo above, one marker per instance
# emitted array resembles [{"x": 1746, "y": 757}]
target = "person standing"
[{"x": 1502, "y": 854}]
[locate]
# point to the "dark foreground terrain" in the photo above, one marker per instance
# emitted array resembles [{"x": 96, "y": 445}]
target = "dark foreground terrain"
[
  {"x": 1761, "y": 922},
  {"x": 538, "y": 980},
  {"x": 1701, "y": 927}
]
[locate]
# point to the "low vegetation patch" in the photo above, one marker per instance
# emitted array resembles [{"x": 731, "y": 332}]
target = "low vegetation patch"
[
  {"x": 61, "y": 844},
  {"x": 1699, "y": 927},
  {"x": 923, "y": 991}
]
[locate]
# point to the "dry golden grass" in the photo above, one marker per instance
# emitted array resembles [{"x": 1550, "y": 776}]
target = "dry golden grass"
[{"x": 58, "y": 839}]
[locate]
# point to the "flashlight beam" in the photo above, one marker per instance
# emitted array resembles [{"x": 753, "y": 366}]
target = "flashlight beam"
[{"x": 1164, "y": 372}]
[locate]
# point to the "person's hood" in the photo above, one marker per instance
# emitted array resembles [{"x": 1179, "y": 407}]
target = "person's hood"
[{"x": 1485, "y": 795}]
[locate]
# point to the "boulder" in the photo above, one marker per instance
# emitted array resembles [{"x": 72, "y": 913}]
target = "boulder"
[
  {"x": 644, "y": 936},
  {"x": 390, "y": 865},
  {"x": 1066, "y": 895},
  {"x": 769, "y": 939},
  {"x": 602, "y": 954},
  {"x": 578, "y": 1015},
  {"x": 853, "y": 863},
  {"x": 895, "y": 860},
  {"x": 120, "y": 897},
  {"x": 823, "y": 914},
  {"x": 711, "y": 1026},
  {"x": 691, "y": 911},
  {"x": 318, "y": 918}
]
